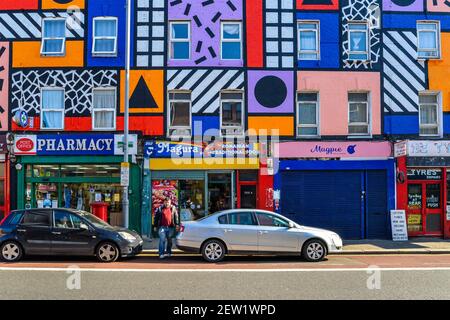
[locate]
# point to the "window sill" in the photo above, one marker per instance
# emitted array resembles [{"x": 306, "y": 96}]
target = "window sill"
[
  {"x": 104, "y": 55},
  {"x": 356, "y": 136},
  {"x": 52, "y": 55}
]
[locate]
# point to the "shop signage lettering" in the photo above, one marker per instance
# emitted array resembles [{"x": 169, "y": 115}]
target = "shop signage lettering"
[
  {"x": 333, "y": 150},
  {"x": 82, "y": 144},
  {"x": 398, "y": 224},
  {"x": 424, "y": 174},
  {"x": 428, "y": 148}
]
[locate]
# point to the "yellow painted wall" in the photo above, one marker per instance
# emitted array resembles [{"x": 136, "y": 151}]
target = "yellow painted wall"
[
  {"x": 205, "y": 164},
  {"x": 50, "y": 4},
  {"x": 439, "y": 72},
  {"x": 28, "y": 55},
  {"x": 284, "y": 124}
]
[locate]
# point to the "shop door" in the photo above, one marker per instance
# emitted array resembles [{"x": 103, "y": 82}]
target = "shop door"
[
  {"x": 425, "y": 209},
  {"x": 247, "y": 196}
]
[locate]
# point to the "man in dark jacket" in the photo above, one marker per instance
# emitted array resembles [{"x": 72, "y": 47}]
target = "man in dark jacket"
[{"x": 166, "y": 223}]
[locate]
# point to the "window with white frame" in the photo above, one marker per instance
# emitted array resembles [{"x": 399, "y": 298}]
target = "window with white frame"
[
  {"x": 52, "y": 108},
  {"x": 180, "y": 118},
  {"x": 358, "y": 41},
  {"x": 231, "y": 40},
  {"x": 429, "y": 114},
  {"x": 105, "y": 36},
  {"x": 428, "y": 39},
  {"x": 308, "y": 114},
  {"x": 53, "y": 36},
  {"x": 180, "y": 40},
  {"x": 358, "y": 113},
  {"x": 308, "y": 40},
  {"x": 231, "y": 113},
  {"x": 104, "y": 109}
]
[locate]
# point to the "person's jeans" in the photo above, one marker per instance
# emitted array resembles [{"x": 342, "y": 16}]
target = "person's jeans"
[{"x": 165, "y": 239}]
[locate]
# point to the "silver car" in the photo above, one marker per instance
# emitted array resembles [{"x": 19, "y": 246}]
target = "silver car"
[{"x": 254, "y": 232}]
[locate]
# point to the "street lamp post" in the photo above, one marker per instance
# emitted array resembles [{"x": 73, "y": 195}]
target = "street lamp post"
[{"x": 125, "y": 200}]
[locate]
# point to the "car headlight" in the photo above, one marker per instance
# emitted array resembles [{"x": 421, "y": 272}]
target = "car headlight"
[
  {"x": 127, "y": 236},
  {"x": 336, "y": 239}
]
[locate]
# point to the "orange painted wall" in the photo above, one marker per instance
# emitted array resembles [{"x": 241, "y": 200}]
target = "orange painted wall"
[
  {"x": 333, "y": 87},
  {"x": 439, "y": 72},
  {"x": 284, "y": 124},
  {"x": 51, "y": 4},
  {"x": 28, "y": 55}
]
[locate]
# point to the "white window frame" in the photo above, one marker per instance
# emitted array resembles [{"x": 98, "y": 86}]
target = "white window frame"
[
  {"x": 102, "y": 110},
  {"x": 222, "y": 39},
  {"x": 95, "y": 38},
  {"x": 317, "y": 32},
  {"x": 317, "y": 125},
  {"x": 350, "y": 52},
  {"x": 438, "y": 39},
  {"x": 43, "y": 38},
  {"x": 63, "y": 110},
  {"x": 169, "y": 127},
  {"x": 242, "y": 126},
  {"x": 179, "y": 40},
  {"x": 368, "y": 115},
  {"x": 438, "y": 105}
]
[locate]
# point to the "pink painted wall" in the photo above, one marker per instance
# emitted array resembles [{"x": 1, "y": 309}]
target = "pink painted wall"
[
  {"x": 4, "y": 72},
  {"x": 440, "y": 7},
  {"x": 333, "y": 87}
]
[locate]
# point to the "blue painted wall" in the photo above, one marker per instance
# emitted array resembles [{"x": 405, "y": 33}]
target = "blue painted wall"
[
  {"x": 401, "y": 124},
  {"x": 329, "y": 40},
  {"x": 409, "y": 21},
  {"x": 110, "y": 8},
  {"x": 211, "y": 123}
]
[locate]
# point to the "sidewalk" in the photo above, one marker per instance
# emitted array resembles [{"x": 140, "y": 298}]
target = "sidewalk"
[{"x": 413, "y": 246}]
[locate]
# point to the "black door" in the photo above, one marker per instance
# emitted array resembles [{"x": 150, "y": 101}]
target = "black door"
[
  {"x": 34, "y": 231},
  {"x": 69, "y": 237},
  {"x": 248, "y": 196}
]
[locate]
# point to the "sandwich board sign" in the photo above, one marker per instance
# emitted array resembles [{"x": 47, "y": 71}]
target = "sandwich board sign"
[{"x": 398, "y": 224}]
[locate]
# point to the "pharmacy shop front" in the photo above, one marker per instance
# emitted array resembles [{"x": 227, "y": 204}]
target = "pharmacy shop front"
[{"x": 75, "y": 171}]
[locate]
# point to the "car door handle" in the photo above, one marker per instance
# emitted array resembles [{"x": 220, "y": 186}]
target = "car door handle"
[
  {"x": 228, "y": 230},
  {"x": 21, "y": 230},
  {"x": 56, "y": 232},
  {"x": 263, "y": 232}
]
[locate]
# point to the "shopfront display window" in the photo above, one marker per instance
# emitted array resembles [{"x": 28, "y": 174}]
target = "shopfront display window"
[{"x": 219, "y": 189}]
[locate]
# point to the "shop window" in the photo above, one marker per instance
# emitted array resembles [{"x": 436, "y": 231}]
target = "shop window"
[
  {"x": 308, "y": 114},
  {"x": 46, "y": 171},
  {"x": 192, "y": 199},
  {"x": 248, "y": 175},
  {"x": 104, "y": 109},
  {"x": 358, "y": 105},
  {"x": 231, "y": 40},
  {"x": 180, "y": 40},
  {"x": 358, "y": 41},
  {"x": 53, "y": 37},
  {"x": 80, "y": 170},
  {"x": 231, "y": 114},
  {"x": 219, "y": 190},
  {"x": 429, "y": 114},
  {"x": 52, "y": 109},
  {"x": 180, "y": 117},
  {"x": 105, "y": 36},
  {"x": 428, "y": 39},
  {"x": 308, "y": 40}
]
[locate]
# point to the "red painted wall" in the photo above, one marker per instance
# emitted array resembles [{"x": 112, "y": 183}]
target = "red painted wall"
[
  {"x": 18, "y": 4},
  {"x": 265, "y": 192},
  {"x": 333, "y": 6},
  {"x": 254, "y": 20}
]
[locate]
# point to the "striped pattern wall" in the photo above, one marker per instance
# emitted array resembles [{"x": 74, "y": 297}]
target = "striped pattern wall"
[
  {"x": 403, "y": 75},
  {"x": 28, "y": 24},
  {"x": 205, "y": 85}
]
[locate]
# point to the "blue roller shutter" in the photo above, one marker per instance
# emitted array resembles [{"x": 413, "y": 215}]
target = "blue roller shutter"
[
  {"x": 376, "y": 206},
  {"x": 324, "y": 199}
]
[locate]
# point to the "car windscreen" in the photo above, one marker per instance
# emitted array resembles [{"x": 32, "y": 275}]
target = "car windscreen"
[{"x": 97, "y": 222}]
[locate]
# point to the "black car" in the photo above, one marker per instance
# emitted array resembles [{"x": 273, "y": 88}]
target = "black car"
[{"x": 64, "y": 232}]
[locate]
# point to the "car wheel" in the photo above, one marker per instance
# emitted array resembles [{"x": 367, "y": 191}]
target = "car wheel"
[
  {"x": 213, "y": 251},
  {"x": 11, "y": 251},
  {"x": 107, "y": 252},
  {"x": 314, "y": 250}
]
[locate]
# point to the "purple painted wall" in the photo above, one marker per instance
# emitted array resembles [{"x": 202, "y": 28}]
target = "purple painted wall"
[
  {"x": 403, "y": 5},
  {"x": 205, "y": 29}
]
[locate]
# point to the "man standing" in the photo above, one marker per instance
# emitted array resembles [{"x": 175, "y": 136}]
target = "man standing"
[{"x": 166, "y": 223}]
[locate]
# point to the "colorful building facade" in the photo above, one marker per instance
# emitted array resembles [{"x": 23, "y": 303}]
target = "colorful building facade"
[{"x": 285, "y": 105}]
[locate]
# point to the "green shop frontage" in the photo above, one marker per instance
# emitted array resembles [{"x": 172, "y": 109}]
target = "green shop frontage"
[{"x": 77, "y": 171}]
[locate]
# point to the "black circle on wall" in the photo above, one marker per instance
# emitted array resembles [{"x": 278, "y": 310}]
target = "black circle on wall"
[
  {"x": 270, "y": 91},
  {"x": 63, "y": 1},
  {"x": 403, "y": 3}
]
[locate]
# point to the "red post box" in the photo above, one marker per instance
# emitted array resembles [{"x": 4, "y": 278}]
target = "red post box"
[{"x": 100, "y": 210}]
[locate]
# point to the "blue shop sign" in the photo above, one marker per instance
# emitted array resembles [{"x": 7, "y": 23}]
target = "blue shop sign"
[{"x": 75, "y": 144}]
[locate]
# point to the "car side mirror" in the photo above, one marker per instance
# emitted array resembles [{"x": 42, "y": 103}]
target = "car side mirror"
[
  {"x": 84, "y": 226},
  {"x": 291, "y": 225}
]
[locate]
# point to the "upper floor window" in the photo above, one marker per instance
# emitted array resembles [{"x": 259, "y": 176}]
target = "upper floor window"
[
  {"x": 53, "y": 36},
  {"x": 428, "y": 39},
  {"x": 358, "y": 41},
  {"x": 180, "y": 116},
  {"x": 104, "y": 109},
  {"x": 429, "y": 114},
  {"x": 358, "y": 109},
  {"x": 180, "y": 40},
  {"x": 105, "y": 37},
  {"x": 308, "y": 40},
  {"x": 52, "y": 108},
  {"x": 231, "y": 113},
  {"x": 231, "y": 40},
  {"x": 308, "y": 114}
]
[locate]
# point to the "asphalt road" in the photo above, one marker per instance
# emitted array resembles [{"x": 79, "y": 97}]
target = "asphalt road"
[{"x": 187, "y": 277}]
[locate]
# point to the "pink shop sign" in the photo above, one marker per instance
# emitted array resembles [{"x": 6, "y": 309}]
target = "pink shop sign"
[{"x": 351, "y": 149}]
